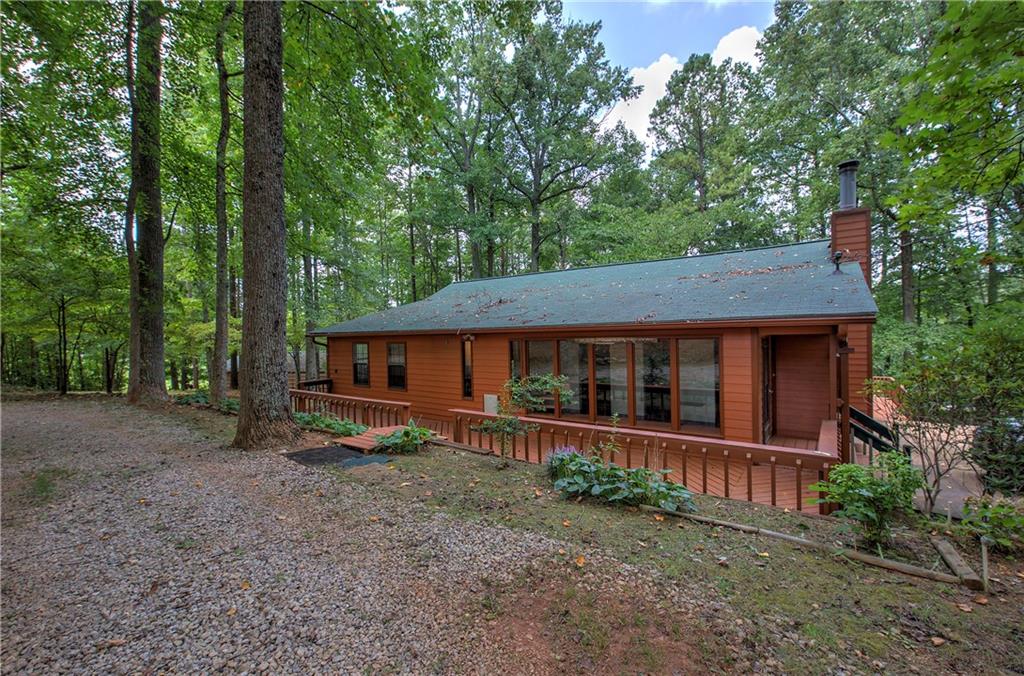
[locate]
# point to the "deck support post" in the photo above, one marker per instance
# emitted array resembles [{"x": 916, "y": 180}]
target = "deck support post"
[{"x": 843, "y": 353}]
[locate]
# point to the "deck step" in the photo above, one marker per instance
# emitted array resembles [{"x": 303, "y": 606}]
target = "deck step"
[{"x": 367, "y": 441}]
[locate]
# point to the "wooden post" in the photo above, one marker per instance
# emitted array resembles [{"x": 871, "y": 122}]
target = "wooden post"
[{"x": 844, "y": 395}]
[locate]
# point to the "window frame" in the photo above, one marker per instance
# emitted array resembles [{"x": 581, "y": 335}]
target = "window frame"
[
  {"x": 693, "y": 428},
  {"x": 356, "y": 363},
  {"x": 405, "y": 365},
  {"x": 466, "y": 345}
]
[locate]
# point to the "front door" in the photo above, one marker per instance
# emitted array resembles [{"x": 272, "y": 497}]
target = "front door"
[{"x": 767, "y": 390}]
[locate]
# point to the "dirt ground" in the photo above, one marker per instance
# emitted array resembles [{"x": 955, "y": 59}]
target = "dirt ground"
[{"x": 137, "y": 541}]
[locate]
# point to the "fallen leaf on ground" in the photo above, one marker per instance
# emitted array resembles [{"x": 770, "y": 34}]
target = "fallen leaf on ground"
[
  {"x": 199, "y": 484},
  {"x": 937, "y": 641},
  {"x": 642, "y": 544},
  {"x": 566, "y": 523},
  {"x": 580, "y": 560},
  {"x": 763, "y": 554},
  {"x": 319, "y": 493},
  {"x": 724, "y": 562},
  {"x": 232, "y": 610},
  {"x": 245, "y": 585},
  {"x": 561, "y": 551},
  {"x": 966, "y": 607},
  {"x": 537, "y": 492},
  {"x": 404, "y": 484},
  {"x": 142, "y": 501},
  {"x": 428, "y": 493},
  {"x": 110, "y": 643},
  {"x": 374, "y": 518},
  {"x": 659, "y": 517},
  {"x": 981, "y": 600}
]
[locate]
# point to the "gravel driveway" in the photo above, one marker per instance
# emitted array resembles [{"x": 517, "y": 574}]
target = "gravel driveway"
[{"x": 160, "y": 549}]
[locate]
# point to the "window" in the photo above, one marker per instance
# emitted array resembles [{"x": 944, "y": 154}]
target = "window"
[
  {"x": 361, "y": 364},
  {"x": 467, "y": 369},
  {"x": 611, "y": 368},
  {"x": 515, "y": 360},
  {"x": 652, "y": 371},
  {"x": 698, "y": 382},
  {"x": 396, "y": 366},
  {"x": 574, "y": 364},
  {"x": 540, "y": 356}
]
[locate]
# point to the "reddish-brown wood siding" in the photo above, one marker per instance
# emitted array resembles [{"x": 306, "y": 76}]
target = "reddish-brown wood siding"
[
  {"x": 851, "y": 232},
  {"x": 859, "y": 338},
  {"x": 801, "y": 385},
  {"x": 433, "y": 371},
  {"x": 737, "y": 366}
]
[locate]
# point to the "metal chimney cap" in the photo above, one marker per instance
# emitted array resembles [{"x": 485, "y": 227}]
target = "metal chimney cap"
[{"x": 849, "y": 164}]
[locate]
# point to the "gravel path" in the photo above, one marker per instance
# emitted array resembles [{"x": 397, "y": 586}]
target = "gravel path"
[{"x": 162, "y": 550}]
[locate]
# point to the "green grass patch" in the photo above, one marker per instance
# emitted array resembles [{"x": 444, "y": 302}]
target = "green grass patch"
[{"x": 43, "y": 485}]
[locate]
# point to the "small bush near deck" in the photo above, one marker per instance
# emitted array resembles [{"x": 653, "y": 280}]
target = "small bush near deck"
[
  {"x": 326, "y": 421},
  {"x": 576, "y": 474},
  {"x": 999, "y": 519},
  {"x": 405, "y": 441},
  {"x": 873, "y": 495}
]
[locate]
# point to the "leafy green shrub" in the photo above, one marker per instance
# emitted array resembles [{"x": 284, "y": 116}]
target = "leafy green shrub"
[
  {"x": 326, "y": 421},
  {"x": 197, "y": 397},
  {"x": 873, "y": 495},
  {"x": 409, "y": 439},
  {"x": 527, "y": 393},
  {"x": 576, "y": 474},
  {"x": 999, "y": 519},
  {"x": 229, "y": 405}
]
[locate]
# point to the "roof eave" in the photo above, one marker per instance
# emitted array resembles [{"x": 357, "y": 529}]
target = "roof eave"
[{"x": 852, "y": 318}]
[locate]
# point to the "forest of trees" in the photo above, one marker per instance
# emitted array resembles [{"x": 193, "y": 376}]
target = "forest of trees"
[{"x": 427, "y": 142}]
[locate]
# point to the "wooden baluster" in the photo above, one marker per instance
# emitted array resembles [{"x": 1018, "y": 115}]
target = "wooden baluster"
[
  {"x": 646, "y": 454},
  {"x": 664, "y": 459},
  {"x": 540, "y": 451},
  {"x": 629, "y": 452},
  {"x": 686, "y": 474},
  {"x": 725, "y": 472},
  {"x": 774, "y": 503},
  {"x": 579, "y": 445},
  {"x": 704, "y": 469},
  {"x": 799, "y": 486},
  {"x": 750, "y": 479}
]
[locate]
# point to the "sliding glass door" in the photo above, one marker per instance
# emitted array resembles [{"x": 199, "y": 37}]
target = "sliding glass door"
[
  {"x": 574, "y": 364},
  {"x": 611, "y": 363}
]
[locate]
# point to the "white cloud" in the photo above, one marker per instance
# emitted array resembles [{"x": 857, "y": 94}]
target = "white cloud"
[
  {"x": 636, "y": 112},
  {"x": 509, "y": 52},
  {"x": 739, "y": 45}
]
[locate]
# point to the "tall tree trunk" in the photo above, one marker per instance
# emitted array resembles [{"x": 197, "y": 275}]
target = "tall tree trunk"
[
  {"x": 151, "y": 385},
  {"x": 475, "y": 252},
  {"x": 218, "y": 386},
  {"x": 130, "y": 203},
  {"x": 308, "y": 300},
  {"x": 173, "y": 368},
  {"x": 265, "y": 416},
  {"x": 534, "y": 237},
  {"x": 907, "y": 276},
  {"x": 991, "y": 245}
]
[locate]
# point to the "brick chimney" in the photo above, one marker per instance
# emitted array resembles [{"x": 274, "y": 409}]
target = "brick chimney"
[{"x": 851, "y": 225}]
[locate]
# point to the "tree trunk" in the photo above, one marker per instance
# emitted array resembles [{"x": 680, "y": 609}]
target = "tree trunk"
[
  {"x": 534, "y": 237},
  {"x": 265, "y": 417},
  {"x": 991, "y": 244},
  {"x": 173, "y": 368},
  {"x": 150, "y": 385},
  {"x": 130, "y": 203},
  {"x": 218, "y": 386},
  {"x": 907, "y": 276},
  {"x": 312, "y": 371}
]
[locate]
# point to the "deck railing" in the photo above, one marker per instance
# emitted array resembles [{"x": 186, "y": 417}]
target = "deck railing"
[
  {"x": 372, "y": 412},
  {"x": 773, "y": 475},
  {"x": 318, "y": 385}
]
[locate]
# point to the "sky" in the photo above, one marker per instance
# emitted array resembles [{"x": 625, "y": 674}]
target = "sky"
[{"x": 652, "y": 38}]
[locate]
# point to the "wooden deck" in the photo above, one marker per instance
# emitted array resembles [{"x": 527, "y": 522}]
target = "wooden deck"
[{"x": 367, "y": 441}]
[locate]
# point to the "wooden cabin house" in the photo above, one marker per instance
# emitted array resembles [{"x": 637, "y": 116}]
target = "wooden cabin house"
[{"x": 764, "y": 346}]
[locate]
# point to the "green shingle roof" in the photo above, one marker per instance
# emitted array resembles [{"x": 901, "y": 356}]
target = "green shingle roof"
[{"x": 791, "y": 281}]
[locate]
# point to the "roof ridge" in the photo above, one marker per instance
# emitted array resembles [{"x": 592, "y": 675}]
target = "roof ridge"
[{"x": 648, "y": 260}]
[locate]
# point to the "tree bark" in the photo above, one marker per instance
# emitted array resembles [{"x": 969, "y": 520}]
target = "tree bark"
[
  {"x": 151, "y": 385},
  {"x": 130, "y": 203},
  {"x": 534, "y": 237},
  {"x": 308, "y": 299},
  {"x": 907, "y": 276},
  {"x": 217, "y": 375},
  {"x": 264, "y": 417},
  {"x": 991, "y": 244}
]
